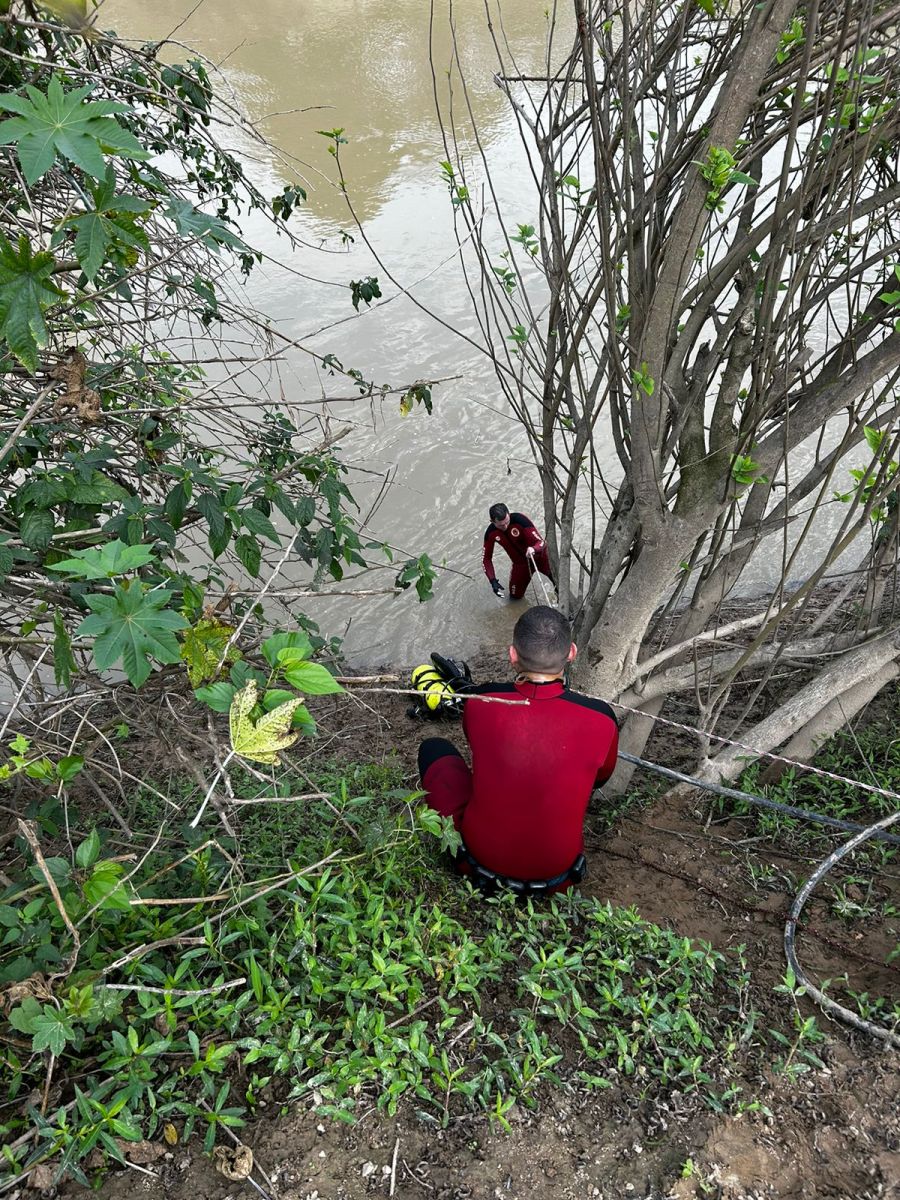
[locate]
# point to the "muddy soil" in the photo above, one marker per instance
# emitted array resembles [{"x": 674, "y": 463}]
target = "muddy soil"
[{"x": 833, "y": 1132}]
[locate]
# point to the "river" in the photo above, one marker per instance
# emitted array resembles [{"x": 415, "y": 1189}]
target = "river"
[
  {"x": 364, "y": 64},
  {"x": 297, "y": 66}
]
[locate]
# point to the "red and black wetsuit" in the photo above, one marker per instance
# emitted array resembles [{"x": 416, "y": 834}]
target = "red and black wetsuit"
[
  {"x": 515, "y": 540},
  {"x": 520, "y": 809}
]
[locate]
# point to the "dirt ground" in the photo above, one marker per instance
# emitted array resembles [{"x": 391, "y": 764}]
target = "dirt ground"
[{"x": 832, "y": 1133}]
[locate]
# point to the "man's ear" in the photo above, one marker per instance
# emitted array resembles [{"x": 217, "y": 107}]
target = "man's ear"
[
  {"x": 573, "y": 650},
  {"x": 513, "y": 656}
]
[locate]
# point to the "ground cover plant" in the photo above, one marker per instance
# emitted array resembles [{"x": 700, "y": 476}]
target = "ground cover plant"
[{"x": 348, "y": 968}]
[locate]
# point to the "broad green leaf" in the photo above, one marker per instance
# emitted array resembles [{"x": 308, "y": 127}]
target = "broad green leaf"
[
  {"x": 191, "y": 222},
  {"x": 203, "y": 647},
  {"x": 247, "y": 548},
  {"x": 296, "y": 641},
  {"x": 69, "y": 766},
  {"x": 260, "y": 742},
  {"x": 108, "y": 232},
  {"x": 132, "y": 626},
  {"x": 6, "y": 562},
  {"x": 68, "y": 124},
  {"x": 874, "y": 438},
  {"x": 217, "y": 696},
  {"x": 99, "y": 489},
  {"x": 24, "y": 1016},
  {"x": 259, "y": 524},
  {"x": 88, "y": 851},
  {"x": 43, "y": 492},
  {"x": 104, "y": 887},
  {"x": 51, "y": 1031},
  {"x": 36, "y": 528},
  {"x": 25, "y": 292},
  {"x": 92, "y": 239},
  {"x": 312, "y": 678},
  {"x": 105, "y": 562}
]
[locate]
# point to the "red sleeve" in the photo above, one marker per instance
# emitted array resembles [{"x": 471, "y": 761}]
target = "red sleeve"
[
  {"x": 533, "y": 538},
  {"x": 487, "y": 557},
  {"x": 612, "y": 753}
]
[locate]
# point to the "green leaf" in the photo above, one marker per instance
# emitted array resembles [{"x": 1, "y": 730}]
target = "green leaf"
[
  {"x": 36, "y": 528},
  {"x": 312, "y": 678},
  {"x": 69, "y": 766},
  {"x": 191, "y": 222},
  {"x": 132, "y": 626},
  {"x": 297, "y": 641},
  {"x": 99, "y": 489},
  {"x": 25, "y": 292},
  {"x": 259, "y": 524},
  {"x": 51, "y": 1031},
  {"x": 874, "y": 438},
  {"x": 105, "y": 562},
  {"x": 247, "y": 548},
  {"x": 890, "y": 297},
  {"x": 24, "y": 1016},
  {"x": 104, "y": 887},
  {"x": 6, "y": 562},
  {"x": 64, "y": 664},
  {"x": 217, "y": 696},
  {"x": 260, "y": 742},
  {"x": 92, "y": 240},
  {"x": 88, "y": 851},
  {"x": 68, "y": 124}
]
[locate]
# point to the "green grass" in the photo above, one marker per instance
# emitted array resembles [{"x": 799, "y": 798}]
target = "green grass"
[{"x": 376, "y": 978}]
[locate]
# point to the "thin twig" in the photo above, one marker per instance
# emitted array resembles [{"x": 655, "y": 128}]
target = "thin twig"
[
  {"x": 166, "y": 991},
  {"x": 394, "y": 1167},
  {"x": 29, "y": 832}
]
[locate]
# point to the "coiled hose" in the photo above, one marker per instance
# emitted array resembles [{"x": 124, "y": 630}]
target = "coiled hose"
[{"x": 861, "y": 833}]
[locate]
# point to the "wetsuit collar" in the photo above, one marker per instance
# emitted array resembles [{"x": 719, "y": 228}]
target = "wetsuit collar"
[{"x": 539, "y": 689}]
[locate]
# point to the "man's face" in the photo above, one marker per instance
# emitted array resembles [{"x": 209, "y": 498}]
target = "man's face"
[{"x": 504, "y": 524}]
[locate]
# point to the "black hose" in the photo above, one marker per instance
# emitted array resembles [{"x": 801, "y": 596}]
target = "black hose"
[
  {"x": 803, "y": 814},
  {"x": 790, "y": 930},
  {"x": 862, "y": 834}
]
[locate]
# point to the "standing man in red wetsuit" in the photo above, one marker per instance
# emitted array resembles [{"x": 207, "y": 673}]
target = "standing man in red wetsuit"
[
  {"x": 520, "y": 808},
  {"x": 522, "y": 542}
]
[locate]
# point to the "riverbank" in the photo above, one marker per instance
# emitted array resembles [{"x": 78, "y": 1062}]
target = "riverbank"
[{"x": 583, "y": 1048}]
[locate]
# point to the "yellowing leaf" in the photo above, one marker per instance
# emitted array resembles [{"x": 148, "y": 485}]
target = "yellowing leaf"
[
  {"x": 260, "y": 742},
  {"x": 202, "y": 647},
  {"x": 170, "y": 1133}
]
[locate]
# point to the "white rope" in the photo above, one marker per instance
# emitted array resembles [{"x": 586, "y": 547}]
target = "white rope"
[
  {"x": 793, "y": 762},
  {"x": 538, "y": 575}
]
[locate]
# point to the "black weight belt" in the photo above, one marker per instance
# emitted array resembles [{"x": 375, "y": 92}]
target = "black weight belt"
[{"x": 485, "y": 878}]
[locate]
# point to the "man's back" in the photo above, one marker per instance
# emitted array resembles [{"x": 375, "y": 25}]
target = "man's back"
[{"x": 534, "y": 766}]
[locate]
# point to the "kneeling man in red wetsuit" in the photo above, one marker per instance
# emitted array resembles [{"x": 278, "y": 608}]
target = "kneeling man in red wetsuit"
[
  {"x": 520, "y": 808},
  {"x": 526, "y": 548}
]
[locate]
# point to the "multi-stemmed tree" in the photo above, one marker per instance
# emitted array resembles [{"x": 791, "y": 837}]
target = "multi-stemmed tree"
[{"x": 695, "y": 318}]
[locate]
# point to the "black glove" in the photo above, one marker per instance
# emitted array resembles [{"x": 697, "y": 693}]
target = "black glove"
[{"x": 497, "y": 586}]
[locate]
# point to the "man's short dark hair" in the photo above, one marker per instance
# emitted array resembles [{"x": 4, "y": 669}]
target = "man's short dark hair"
[
  {"x": 542, "y": 638},
  {"x": 498, "y": 512}
]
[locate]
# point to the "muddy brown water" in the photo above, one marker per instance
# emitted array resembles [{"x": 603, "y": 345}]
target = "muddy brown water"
[
  {"x": 364, "y": 66},
  {"x": 298, "y": 66}
]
